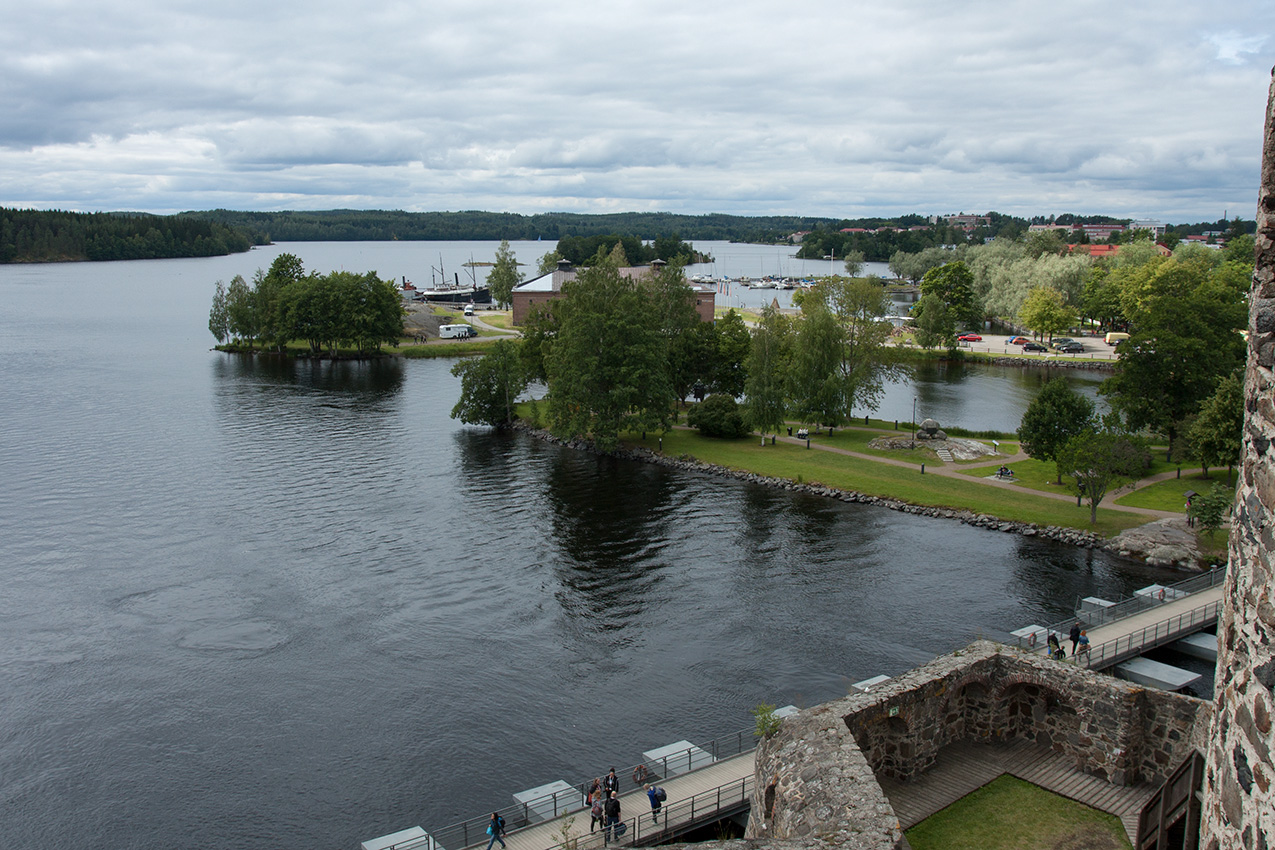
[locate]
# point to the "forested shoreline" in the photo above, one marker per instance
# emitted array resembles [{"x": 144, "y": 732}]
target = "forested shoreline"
[{"x": 54, "y": 236}]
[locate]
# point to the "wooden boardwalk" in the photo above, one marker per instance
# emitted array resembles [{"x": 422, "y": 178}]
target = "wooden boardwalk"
[
  {"x": 1129, "y": 637},
  {"x": 692, "y": 798},
  {"x": 964, "y": 767}
]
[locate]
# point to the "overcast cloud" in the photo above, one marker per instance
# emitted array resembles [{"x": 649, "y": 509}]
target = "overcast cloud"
[{"x": 843, "y": 108}]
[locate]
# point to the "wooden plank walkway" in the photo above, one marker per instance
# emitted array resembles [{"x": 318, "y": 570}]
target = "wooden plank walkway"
[
  {"x": 691, "y": 798},
  {"x": 1146, "y": 620},
  {"x": 964, "y": 767}
]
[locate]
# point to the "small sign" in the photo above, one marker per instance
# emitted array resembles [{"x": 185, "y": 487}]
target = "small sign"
[{"x": 894, "y": 711}]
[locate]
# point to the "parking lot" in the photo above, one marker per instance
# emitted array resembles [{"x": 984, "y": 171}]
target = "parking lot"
[{"x": 1095, "y": 348}]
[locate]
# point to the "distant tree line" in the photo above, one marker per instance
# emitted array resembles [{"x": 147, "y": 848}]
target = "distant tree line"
[
  {"x": 48, "y": 236},
  {"x": 328, "y": 312},
  {"x": 387, "y": 225},
  {"x": 669, "y": 248}
]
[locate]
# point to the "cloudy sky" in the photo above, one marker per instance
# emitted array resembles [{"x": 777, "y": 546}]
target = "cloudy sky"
[{"x": 843, "y": 108}]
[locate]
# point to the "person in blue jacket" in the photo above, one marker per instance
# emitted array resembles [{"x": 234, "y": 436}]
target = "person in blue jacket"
[
  {"x": 652, "y": 794},
  {"x": 496, "y": 829}
]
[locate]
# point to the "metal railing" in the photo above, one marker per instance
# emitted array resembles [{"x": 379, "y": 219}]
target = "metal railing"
[
  {"x": 1135, "y": 643},
  {"x": 474, "y": 830},
  {"x": 1127, "y": 606},
  {"x": 674, "y": 817}
]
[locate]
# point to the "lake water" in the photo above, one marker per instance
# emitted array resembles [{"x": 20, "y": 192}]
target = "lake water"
[{"x": 253, "y": 604}]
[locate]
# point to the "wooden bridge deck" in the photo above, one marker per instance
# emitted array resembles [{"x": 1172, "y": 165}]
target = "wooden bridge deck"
[
  {"x": 635, "y": 808},
  {"x": 965, "y": 767},
  {"x": 1130, "y": 627}
]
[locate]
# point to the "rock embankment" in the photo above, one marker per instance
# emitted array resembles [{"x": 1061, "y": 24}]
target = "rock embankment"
[
  {"x": 1163, "y": 543},
  {"x": 1071, "y": 536}
]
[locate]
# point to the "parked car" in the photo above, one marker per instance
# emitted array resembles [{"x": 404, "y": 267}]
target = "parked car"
[
  {"x": 1057, "y": 342},
  {"x": 1018, "y": 340},
  {"x": 1033, "y": 346},
  {"x": 970, "y": 337},
  {"x": 1071, "y": 348}
]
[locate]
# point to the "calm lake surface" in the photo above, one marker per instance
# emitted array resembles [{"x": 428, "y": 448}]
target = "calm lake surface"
[{"x": 252, "y": 604}]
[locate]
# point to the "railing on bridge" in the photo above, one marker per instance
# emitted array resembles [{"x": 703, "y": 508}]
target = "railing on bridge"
[
  {"x": 1135, "y": 643},
  {"x": 1128, "y": 606},
  {"x": 674, "y": 817},
  {"x": 474, "y": 830}
]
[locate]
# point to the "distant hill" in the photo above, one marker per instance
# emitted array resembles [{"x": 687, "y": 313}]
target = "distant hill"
[
  {"x": 387, "y": 225},
  {"x": 51, "y": 236}
]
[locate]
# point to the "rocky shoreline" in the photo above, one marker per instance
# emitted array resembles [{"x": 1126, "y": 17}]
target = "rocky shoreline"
[{"x": 1070, "y": 536}]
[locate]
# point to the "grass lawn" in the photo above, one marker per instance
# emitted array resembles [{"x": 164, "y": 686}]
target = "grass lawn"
[
  {"x": 796, "y": 463},
  {"x": 1010, "y": 814},
  {"x": 1170, "y": 495},
  {"x": 498, "y": 318}
]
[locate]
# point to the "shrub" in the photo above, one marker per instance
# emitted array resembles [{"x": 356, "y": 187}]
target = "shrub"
[{"x": 717, "y": 416}]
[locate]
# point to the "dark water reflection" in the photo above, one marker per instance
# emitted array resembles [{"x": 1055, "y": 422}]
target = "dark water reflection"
[{"x": 258, "y": 604}]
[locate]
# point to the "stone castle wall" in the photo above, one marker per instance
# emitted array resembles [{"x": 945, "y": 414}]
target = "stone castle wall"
[
  {"x": 817, "y": 778},
  {"x": 1239, "y": 797}
]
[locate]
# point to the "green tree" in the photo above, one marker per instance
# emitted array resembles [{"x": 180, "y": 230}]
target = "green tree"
[
  {"x": 1056, "y": 415},
  {"x": 765, "y": 393},
  {"x": 241, "y": 309},
  {"x": 548, "y": 262},
  {"x": 854, "y": 263},
  {"x": 1209, "y": 509},
  {"x": 1046, "y": 312},
  {"x": 859, "y": 306},
  {"x": 816, "y": 384},
  {"x": 717, "y": 416},
  {"x": 954, "y": 284},
  {"x": 268, "y": 287},
  {"x": 1216, "y": 434},
  {"x": 1097, "y": 462},
  {"x": 933, "y": 323},
  {"x": 504, "y": 276},
  {"x": 608, "y": 365},
  {"x": 219, "y": 316},
  {"x": 733, "y": 346},
  {"x": 1184, "y": 337},
  {"x": 490, "y": 386}
]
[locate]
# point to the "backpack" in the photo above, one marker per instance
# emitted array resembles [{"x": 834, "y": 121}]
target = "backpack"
[
  {"x": 660, "y": 795},
  {"x": 596, "y": 810},
  {"x": 500, "y": 822}
]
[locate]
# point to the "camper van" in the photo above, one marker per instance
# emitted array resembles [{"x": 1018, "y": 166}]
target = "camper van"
[
  {"x": 456, "y": 332},
  {"x": 1115, "y": 338}
]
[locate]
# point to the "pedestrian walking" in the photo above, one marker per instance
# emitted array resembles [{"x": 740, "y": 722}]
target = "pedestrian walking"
[
  {"x": 656, "y": 796},
  {"x": 1074, "y": 636},
  {"x": 496, "y": 829},
  {"x": 613, "y": 817}
]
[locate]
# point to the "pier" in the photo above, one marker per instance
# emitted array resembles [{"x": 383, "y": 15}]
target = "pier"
[
  {"x": 704, "y": 785},
  {"x": 1154, "y": 616}
]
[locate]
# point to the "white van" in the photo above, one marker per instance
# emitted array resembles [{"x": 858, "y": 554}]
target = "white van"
[
  {"x": 456, "y": 332},
  {"x": 469, "y": 309},
  {"x": 1113, "y": 338}
]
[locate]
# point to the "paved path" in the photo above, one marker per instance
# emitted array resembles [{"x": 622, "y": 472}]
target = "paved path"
[{"x": 958, "y": 472}]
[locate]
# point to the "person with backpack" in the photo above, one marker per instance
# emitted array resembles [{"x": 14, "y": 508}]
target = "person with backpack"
[
  {"x": 496, "y": 829},
  {"x": 612, "y": 810},
  {"x": 596, "y": 813},
  {"x": 657, "y": 797}
]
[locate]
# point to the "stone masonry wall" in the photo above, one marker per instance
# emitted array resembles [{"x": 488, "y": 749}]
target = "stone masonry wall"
[
  {"x": 817, "y": 777},
  {"x": 1239, "y": 784}
]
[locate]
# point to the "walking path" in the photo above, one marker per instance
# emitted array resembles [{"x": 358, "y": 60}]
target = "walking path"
[
  {"x": 959, "y": 473},
  {"x": 693, "y": 797}
]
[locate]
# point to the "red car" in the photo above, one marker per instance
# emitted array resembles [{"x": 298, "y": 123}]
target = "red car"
[
  {"x": 971, "y": 337},
  {"x": 1018, "y": 340}
]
